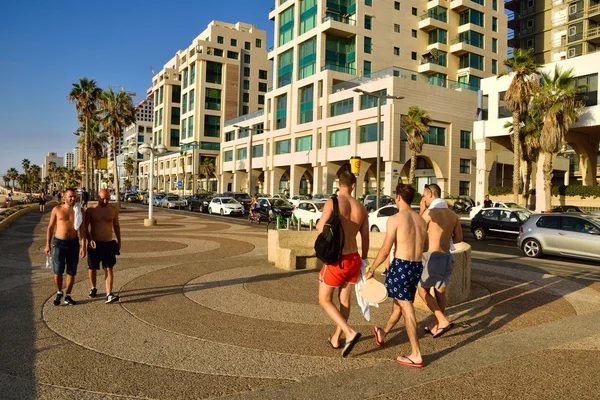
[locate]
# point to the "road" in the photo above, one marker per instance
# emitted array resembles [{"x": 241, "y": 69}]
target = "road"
[{"x": 491, "y": 251}]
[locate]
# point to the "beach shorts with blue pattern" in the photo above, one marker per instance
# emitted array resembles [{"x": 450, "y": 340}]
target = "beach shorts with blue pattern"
[{"x": 402, "y": 279}]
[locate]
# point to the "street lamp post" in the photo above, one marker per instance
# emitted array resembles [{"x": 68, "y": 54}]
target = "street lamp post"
[
  {"x": 145, "y": 148},
  {"x": 379, "y": 97},
  {"x": 251, "y": 133}
]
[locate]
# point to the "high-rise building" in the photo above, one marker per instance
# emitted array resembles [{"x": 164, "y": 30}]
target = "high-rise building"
[
  {"x": 555, "y": 29},
  {"x": 51, "y": 157},
  {"x": 327, "y": 53},
  {"x": 69, "y": 159},
  {"x": 222, "y": 74},
  {"x": 138, "y": 133}
]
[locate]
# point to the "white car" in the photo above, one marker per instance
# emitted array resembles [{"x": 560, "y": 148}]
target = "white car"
[
  {"x": 369, "y": 198},
  {"x": 507, "y": 204},
  {"x": 296, "y": 200},
  {"x": 225, "y": 206},
  {"x": 378, "y": 218},
  {"x": 308, "y": 210},
  {"x": 171, "y": 201}
]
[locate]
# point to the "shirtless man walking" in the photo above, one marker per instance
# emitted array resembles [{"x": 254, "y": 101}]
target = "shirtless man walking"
[
  {"x": 102, "y": 248},
  {"x": 343, "y": 275},
  {"x": 66, "y": 245},
  {"x": 442, "y": 225},
  {"x": 408, "y": 232}
]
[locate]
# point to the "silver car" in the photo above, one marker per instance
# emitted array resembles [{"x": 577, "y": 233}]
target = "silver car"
[{"x": 565, "y": 234}]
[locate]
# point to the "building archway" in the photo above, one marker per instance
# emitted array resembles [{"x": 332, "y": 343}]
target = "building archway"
[{"x": 427, "y": 172}]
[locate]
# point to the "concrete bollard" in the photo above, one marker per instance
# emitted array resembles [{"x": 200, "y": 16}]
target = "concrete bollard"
[
  {"x": 310, "y": 225},
  {"x": 289, "y": 222},
  {"x": 278, "y": 222},
  {"x": 299, "y": 224}
]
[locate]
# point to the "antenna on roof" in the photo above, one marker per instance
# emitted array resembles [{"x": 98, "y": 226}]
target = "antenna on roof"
[{"x": 152, "y": 70}]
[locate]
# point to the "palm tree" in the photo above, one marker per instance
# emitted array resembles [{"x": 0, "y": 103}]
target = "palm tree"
[
  {"x": 415, "y": 124},
  {"x": 97, "y": 141},
  {"x": 6, "y": 180},
  {"x": 524, "y": 71},
  {"x": 561, "y": 105},
  {"x": 12, "y": 174},
  {"x": 85, "y": 95},
  {"x": 25, "y": 164},
  {"x": 22, "y": 181},
  {"x": 117, "y": 112},
  {"x": 127, "y": 184},
  {"x": 34, "y": 178},
  {"x": 207, "y": 169},
  {"x": 129, "y": 166}
]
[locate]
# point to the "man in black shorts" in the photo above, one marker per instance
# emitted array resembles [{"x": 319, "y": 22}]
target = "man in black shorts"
[{"x": 85, "y": 197}]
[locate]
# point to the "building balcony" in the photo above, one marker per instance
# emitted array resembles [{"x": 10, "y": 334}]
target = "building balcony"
[
  {"x": 459, "y": 5},
  {"x": 512, "y": 5},
  {"x": 457, "y": 48},
  {"x": 337, "y": 25},
  {"x": 428, "y": 23},
  {"x": 335, "y": 66},
  {"x": 431, "y": 67},
  {"x": 593, "y": 35},
  {"x": 593, "y": 13}
]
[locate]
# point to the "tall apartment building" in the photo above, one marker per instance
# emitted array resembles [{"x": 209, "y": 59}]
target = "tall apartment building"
[
  {"x": 136, "y": 134},
  {"x": 433, "y": 54},
  {"x": 555, "y": 29},
  {"x": 222, "y": 74},
  {"x": 75, "y": 157},
  {"x": 51, "y": 157},
  {"x": 69, "y": 159}
]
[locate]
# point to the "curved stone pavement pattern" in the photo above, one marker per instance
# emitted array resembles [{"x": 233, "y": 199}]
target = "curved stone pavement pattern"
[{"x": 214, "y": 277}]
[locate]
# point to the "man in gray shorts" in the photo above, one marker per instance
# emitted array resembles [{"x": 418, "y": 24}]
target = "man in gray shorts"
[{"x": 443, "y": 225}]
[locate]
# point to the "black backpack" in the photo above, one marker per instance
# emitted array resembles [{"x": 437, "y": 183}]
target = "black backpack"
[{"x": 330, "y": 242}]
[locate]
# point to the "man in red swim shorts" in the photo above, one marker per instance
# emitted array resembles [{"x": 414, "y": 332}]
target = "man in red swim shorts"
[{"x": 343, "y": 275}]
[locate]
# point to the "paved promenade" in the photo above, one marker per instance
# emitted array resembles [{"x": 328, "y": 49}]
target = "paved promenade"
[{"x": 204, "y": 315}]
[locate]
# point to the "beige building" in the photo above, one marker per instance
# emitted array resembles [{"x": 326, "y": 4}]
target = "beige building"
[
  {"x": 432, "y": 53},
  {"x": 555, "y": 29},
  {"x": 139, "y": 132},
  {"x": 51, "y": 157},
  {"x": 224, "y": 73}
]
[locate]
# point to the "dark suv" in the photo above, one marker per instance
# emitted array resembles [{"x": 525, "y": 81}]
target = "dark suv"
[
  {"x": 498, "y": 222},
  {"x": 198, "y": 202},
  {"x": 243, "y": 198},
  {"x": 270, "y": 208}
]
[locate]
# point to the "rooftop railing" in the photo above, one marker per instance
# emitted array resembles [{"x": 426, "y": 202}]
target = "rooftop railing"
[{"x": 244, "y": 117}]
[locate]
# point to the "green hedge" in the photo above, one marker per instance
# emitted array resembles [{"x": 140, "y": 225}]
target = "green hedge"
[
  {"x": 577, "y": 191},
  {"x": 501, "y": 190}
]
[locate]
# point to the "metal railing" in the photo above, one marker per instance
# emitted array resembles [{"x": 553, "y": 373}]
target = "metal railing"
[
  {"x": 339, "y": 18},
  {"x": 244, "y": 117},
  {"x": 334, "y": 66}
]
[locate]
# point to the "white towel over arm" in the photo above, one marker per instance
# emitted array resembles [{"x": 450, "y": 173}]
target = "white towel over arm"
[
  {"x": 78, "y": 216},
  {"x": 364, "y": 305}
]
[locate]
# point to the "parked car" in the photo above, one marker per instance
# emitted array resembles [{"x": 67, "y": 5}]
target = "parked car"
[
  {"x": 171, "y": 201},
  {"x": 198, "y": 202},
  {"x": 383, "y": 201},
  {"x": 296, "y": 199},
  {"x": 308, "y": 210},
  {"x": 378, "y": 219},
  {"x": 568, "y": 209},
  {"x": 369, "y": 198},
  {"x": 507, "y": 204},
  {"x": 321, "y": 197},
  {"x": 565, "y": 234},
  {"x": 243, "y": 198},
  {"x": 498, "y": 222},
  {"x": 271, "y": 207},
  {"x": 157, "y": 198},
  {"x": 225, "y": 206},
  {"x": 132, "y": 197}
]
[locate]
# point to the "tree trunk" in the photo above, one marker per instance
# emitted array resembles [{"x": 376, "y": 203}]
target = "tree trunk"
[
  {"x": 527, "y": 182},
  {"x": 548, "y": 163},
  {"x": 86, "y": 148},
  {"x": 413, "y": 167},
  {"x": 517, "y": 156},
  {"x": 116, "y": 173}
]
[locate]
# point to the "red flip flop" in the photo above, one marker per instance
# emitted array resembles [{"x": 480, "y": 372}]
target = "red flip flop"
[
  {"x": 375, "y": 331},
  {"x": 409, "y": 363}
]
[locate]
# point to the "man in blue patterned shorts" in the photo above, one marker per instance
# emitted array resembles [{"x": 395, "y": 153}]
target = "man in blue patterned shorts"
[{"x": 408, "y": 232}]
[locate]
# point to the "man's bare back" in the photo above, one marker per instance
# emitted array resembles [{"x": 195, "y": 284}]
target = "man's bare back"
[
  {"x": 101, "y": 220},
  {"x": 442, "y": 223},
  {"x": 353, "y": 216},
  {"x": 411, "y": 235}
]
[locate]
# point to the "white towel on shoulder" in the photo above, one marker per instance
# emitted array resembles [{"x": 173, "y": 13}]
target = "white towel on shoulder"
[
  {"x": 363, "y": 304},
  {"x": 441, "y": 203},
  {"x": 78, "y": 216}
]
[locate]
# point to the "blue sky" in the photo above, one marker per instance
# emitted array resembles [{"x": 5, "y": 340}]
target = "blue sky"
[{"x": 46, "y": 46}]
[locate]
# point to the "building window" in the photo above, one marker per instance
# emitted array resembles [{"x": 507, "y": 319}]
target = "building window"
[
  {"x": 262, "y": 74},
  {"x": 494, "y": 45},
  {"x": 247, "y": 46},
  {"x": 369, "y": 3},
  {"x": 285, "y": 65},
  {"x": 439, "y": 13},
  {"x": 286, "y": 26},
  {"x": 307, "y": 62},
  {"x": 470, "y": 16},
  {"x": 464, "y": 188},
  {"x": 414, "y": 33},
  {"x": 471, "y": 60},
  {"x": 414, "y": 11},
  {"x": 306, "y": 104},
  {"x": 495, "y": 5},
  {"x": 228, "y": 155},
  {"x": 232, "y": 55},
  {"x": 471, "y": 37},
  {"x": 465, "y": 139},
  {"x": 218, "y": 52},
  {"x": 281, "y": 112},
  {"x": 529, "y": 23},
  {"x": 437, "y": 36},
  {"x": 339, "y": 138},
  {"x": 465, "y": 166},
  {"x": 175, "y": 115},
  {"x": 396, "y": 28},
  {"x": 246, "y": 84},
  {"x": 367, "y": 101},
  {"x": 494, "y": 24},
  {"x": 366, "y": 68},
  {"x": 220, "y": 39},
  {"x": 494, "y": 67},
  {"x": 503, "y": 111},
  {"x": 304, "y": 143},
  {"x": 212, "y": 99},
  {"x": 261, "y": 99},
  {"x": 244, "y": 133},
  {"x": 340, "y": 54},
  {"x": 413, "y": 55},
  {"x": 175, "y": 137},
  {"x": 245, "y": 97},
  {"x": 247, "y": 58},
  {"x": 308, "y": 15},
  {"x": 184, "y": 129},
  {"x": 435, "y": 136},
  {"x": 185, "y": 103},
  {"x": 590, "y": 90},
  {"x": 193, "y": 74},
  {"x": 396, "y": 5},
  {"x": 191, "y": 126},
  {"x": 245, "y": 110},
  {"x": 257, "y": 151},
  {"x": 283, "y": 147},
  {"x": 341, "y": 107},
  {"x": 368, "y": 45},
  {"x": 262, "y": 87},
  {"x": 368, "y": 133},
  {"x": 212, "y": 126},
  {"x": 192, "y": 100},
  {"x": 396, "y": 51},
  {"x": 470, "y": 82},
  {"x": 214, "y": 72},
  {"x": 242, "y": 153},
  {"x": 233, "y": 42},
  {"x": 480, "y": 2},
  {"x": 247, "y": 72},
  {"x": 229, "y": 136},
  {"x": 368, "y": 21},
  {"x": 258, "y": 43}
]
